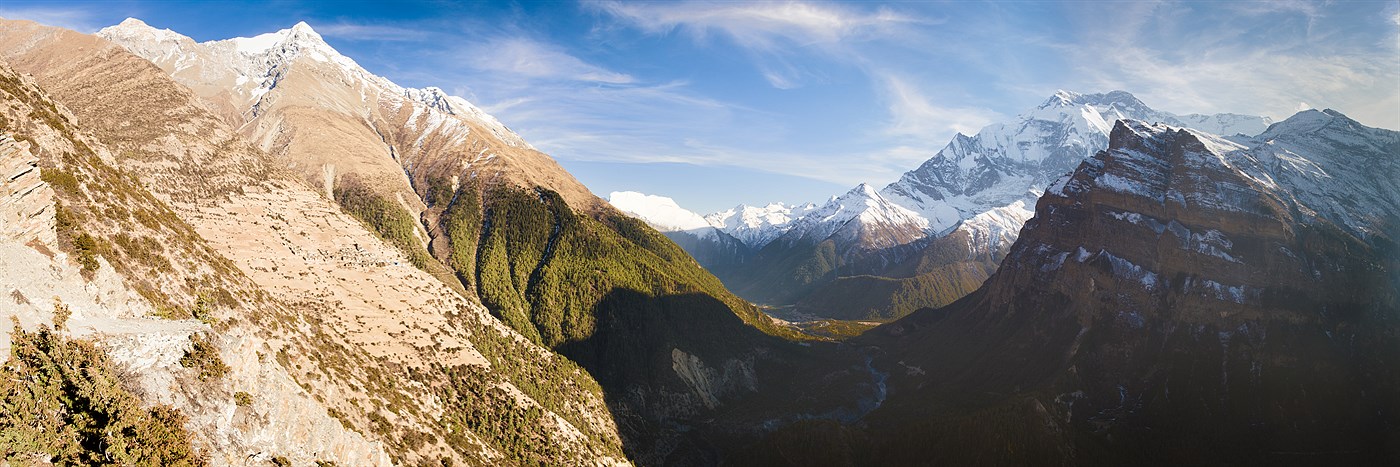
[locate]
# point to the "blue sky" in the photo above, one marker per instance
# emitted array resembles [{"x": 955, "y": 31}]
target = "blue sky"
[{"x": 715, "y": 104}]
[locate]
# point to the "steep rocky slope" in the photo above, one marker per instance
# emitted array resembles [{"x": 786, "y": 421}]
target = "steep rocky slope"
[
  {"x": 1180, "y": 299},
  {"x": 467, "y": 200},
  {"x": 278, "y": 86},
  {"x": 344, "y": 353},
  {"x": 84, "y": 260}
]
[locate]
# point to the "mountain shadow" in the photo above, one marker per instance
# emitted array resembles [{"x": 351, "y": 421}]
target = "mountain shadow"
[{"x": 690, "y": 384}]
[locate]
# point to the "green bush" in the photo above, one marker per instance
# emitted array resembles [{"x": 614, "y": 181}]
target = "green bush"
[
  {"x": 84, "y": 247},
  {"x": 61, "y": 313},
  {"x": 476, "y": 400},
  {"x": 60, "y": 180},
  {"x": 204, "y": 356},
  {"x": 462, "y": 222},
  {"x": 61, "y": 402},
  {"x": 385, "y": 218},
  {"x": 242, "y": 399}
]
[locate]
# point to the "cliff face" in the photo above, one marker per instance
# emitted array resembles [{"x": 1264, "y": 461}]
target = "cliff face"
[{"x": 1175, "y": 299}]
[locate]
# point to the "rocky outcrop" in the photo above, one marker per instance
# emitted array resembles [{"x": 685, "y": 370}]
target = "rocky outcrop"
[
  {"x": 711, "y": 384},
  {"x": 26, "y": 210}
]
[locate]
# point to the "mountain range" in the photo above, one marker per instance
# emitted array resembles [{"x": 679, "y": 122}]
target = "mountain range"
[
  {"x": 316, "y": 199},
  {"x": 253, "y": 251},
  {"x": 936, "y": 233}
]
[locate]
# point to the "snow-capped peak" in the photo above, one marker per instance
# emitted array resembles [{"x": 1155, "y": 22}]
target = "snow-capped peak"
[
  {"x": 251, "y": 67},
  {"x": 1340, "y": 169},
  {"x": 1307, "y": 121},
  {"x": 864, "y": 189},
  {"x": 1060, "y": 98},
  {"x": 861, "y": 215},
  {"x": 756, "y": 226},
  {"x": 299, "y": 40},
  {"x": 134, "y": 30},
  {"x": 302, "y": 27},
  {"x": 134, "y": 26},
  {"x": 660, "y": 212},
  {"x": 1320, "y": 164}
]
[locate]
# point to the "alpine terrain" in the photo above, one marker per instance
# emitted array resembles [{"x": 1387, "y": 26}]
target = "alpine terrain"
[
  {"x": 254, "y": 251},
  {"x": 402, "y": 242},
  {"x": 1179, "y": 297},
  {"x": 941, "y": 229}
]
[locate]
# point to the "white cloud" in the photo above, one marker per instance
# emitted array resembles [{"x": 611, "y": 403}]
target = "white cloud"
[
  {"x": 1396, "y": 20},
  {"x": 76, "y": 19},
  {"x": 760, "y": 26},
  {"x": 1206, "y": 69},
  {"x": 770, "y": 32},
  {"x": 668, "y": 123},
  {"x": 778, "y": 80},
  {"x": 528, "y": 58},
  {"x": 371, "y": 32},
  {"x": 914, "y": 115}
]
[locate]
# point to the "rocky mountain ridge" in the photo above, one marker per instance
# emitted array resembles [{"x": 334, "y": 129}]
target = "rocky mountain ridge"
[
  {"x": 1172, "y": 300},
  {"x": 1178, "y": 297},
  {"x": 315, "y": 321},
  {"x": 981, "y": 187},
  {"x": 503, "y": 224}
]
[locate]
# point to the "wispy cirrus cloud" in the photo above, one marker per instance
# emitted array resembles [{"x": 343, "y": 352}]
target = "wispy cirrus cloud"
[
  {"x": 761, "y": 26},
  {"x": 372, "y": 32},
  {"x": 528, "y": 58},
  {"x": 78, "y": 19},
  {"x": 1395, "y": 19},
  {"x": 786, "y": 40},
  {"x": 1290, "y": 52},
  {"x": 770, "y": 32},
  {"x": 914, "y": 115}
]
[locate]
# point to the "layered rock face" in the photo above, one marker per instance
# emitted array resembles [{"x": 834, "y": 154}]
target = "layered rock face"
[{"x": 1179, "y": 298}]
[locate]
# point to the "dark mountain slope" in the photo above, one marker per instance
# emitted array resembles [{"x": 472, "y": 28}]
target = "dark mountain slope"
[{"x": 1179, "y": 299}]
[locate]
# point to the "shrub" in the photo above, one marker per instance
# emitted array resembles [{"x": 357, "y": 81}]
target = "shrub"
[
  {"x": 60, "y": 314},
  {"x": 60, "y": 180},
  {"x": 204, "y": 356},
  {"x": 61, "y": 401},
  {"x": 202, "y": 311},
  {"x": 84, "y": 247},
  {"x": 242, "y": 399}
]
